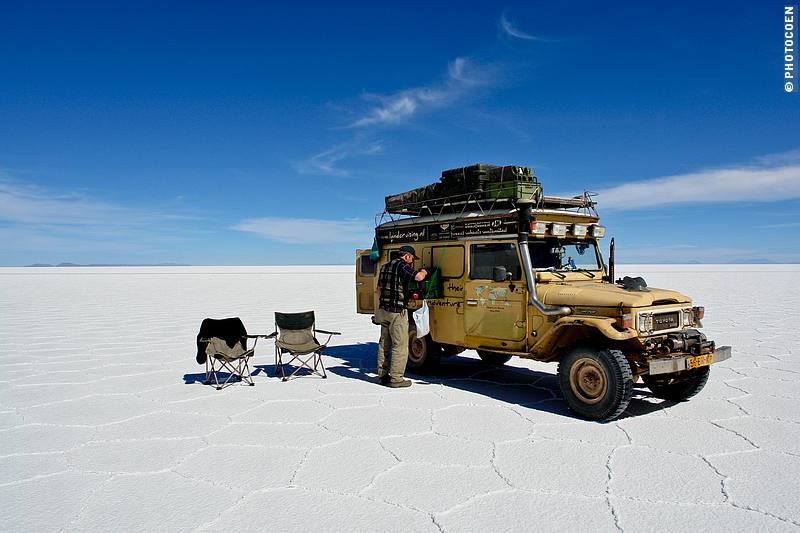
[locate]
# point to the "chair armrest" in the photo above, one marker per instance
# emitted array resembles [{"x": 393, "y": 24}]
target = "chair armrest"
[
  {"x": 327, "y": 332},
  {"x": 258, "y": 336},
  {"x": 271, "y": 335}
]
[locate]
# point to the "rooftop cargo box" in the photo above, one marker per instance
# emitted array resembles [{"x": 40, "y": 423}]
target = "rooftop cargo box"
[
  {"x": 473, "y": 178},
  {"x": 474, "y": 184}
]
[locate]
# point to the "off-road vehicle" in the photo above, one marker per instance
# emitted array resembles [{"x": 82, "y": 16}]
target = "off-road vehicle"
[{"x": 516, "y": 273}]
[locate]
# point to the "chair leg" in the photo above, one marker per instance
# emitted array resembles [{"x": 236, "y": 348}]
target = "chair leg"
[
  {"x": 248, "y": 376},
  {"x": 216, "y": 379},
  {"x": 310, "y": 363},
  {"x": 279, "y": 363},
  {"x": 233, "y": 372},
  {"x": 319, "y": 358}
]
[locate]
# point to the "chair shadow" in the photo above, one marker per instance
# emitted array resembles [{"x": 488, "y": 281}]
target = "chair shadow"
[
  {"x": 265, "y": 369},
  {"x": 509, "y": 383},
  {"x": 190, "y": 379}
]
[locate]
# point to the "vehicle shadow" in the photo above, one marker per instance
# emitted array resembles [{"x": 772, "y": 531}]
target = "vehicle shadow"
[{"x": 531, "y": 389}]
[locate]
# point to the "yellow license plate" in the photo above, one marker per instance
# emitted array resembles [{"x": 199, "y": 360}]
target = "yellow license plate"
[{"x": 700, "y": 360}]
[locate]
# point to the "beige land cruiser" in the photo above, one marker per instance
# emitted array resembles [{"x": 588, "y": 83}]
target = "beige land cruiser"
[{"x": 523, "y": 275}]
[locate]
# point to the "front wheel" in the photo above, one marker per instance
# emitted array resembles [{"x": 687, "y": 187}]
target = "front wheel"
[
  {"x": 423, "y": 353},
  {"x": 597, "y": 384},
  {"x": 678, "y": 387}
]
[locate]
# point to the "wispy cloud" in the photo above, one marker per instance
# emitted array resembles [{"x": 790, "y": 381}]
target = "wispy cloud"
[
  {"x": 780, "y": 226},
  {"x": 44, "y": 224},
  {"x": 308, "y": 230},
  {"x": 326, "y": 162},
  {"x": 769, "y": 179},
  {"x": 462, "y": 75},
  {"x": 509, "y": 29},
  {"x": 460, "y": 79},
  {"x": 685, "y": 253},
  {"x": 28, "y": 204}
]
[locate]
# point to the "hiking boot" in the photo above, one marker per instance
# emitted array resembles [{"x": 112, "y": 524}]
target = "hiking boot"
[
  {"x": 383, "y": 380},
  {"x": 400, "y": 384}
]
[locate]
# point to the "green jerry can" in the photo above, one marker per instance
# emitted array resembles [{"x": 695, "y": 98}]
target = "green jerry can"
[{"x": 529, "y": 191}]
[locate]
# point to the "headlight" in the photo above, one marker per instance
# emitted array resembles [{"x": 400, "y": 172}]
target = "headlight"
[
  {"x": 598, "y": 231},
  {"x": 644, "y": 322},
  {"x": 538, "y": 228},
  {"x": 579, "y": 230}
]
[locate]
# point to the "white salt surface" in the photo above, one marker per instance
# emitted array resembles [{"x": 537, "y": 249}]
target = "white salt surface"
[{"x": 105, "y": 425}]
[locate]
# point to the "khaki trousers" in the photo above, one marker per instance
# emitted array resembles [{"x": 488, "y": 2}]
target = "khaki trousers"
[{"x": 394, "y": 341}]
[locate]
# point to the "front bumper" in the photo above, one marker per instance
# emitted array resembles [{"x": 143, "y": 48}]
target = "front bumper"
[{"x": 679, "y": 363}]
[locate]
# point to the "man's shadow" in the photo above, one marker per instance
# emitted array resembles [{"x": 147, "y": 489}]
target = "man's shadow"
[{"x": 508, "y": 383}]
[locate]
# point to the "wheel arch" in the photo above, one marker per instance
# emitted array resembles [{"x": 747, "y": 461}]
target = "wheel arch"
[{"x": 573, "y": 331}]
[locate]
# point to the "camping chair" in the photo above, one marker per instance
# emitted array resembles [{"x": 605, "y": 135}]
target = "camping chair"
[
  {"x": 222, "y": 345},
  {"x": 295, "y": 337}
]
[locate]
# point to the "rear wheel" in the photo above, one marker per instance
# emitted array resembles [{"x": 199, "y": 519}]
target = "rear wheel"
[
  {"x": 596, "y": 384},
  {"x": 679, "y": 386},
  {"x": 423, "y": 353},
  {"x": 494, "y": 359}
]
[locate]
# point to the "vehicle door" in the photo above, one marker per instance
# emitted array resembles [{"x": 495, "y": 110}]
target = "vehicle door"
[
  {"x": 494, "y": 311},
  {"x": 447, "y": 311},
  {"x": 365, "y": 282}
]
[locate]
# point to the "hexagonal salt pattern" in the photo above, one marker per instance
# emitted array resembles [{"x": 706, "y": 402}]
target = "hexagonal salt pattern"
[{"x": 105, "y": 425}]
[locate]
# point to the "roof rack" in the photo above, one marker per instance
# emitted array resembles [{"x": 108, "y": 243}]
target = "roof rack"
[
  {"x": 477, "y": 203},
  {"x": 583, "y": 201}
]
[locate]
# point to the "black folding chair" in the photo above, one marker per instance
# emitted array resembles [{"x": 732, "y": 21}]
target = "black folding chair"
[
  {"x": 222, "y": 345},
  {"x": 295, "y": 337}
]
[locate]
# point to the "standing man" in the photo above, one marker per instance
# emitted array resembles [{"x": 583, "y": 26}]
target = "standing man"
[{"x": 392, "y": 316}]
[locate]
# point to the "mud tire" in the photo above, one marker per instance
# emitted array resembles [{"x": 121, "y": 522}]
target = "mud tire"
[
  {"x": 678, "y": 387},
  {"x": 423, "y": 353},
  {"x": 596, "y": 384}
]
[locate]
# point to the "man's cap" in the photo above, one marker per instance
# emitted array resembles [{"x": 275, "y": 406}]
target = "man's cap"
[{"x": 408, "y": 250}]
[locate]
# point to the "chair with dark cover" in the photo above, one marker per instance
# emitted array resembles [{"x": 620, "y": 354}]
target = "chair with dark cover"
[
  {"x": 222, "y": 345},
  {"x": 296, "y": 341}
]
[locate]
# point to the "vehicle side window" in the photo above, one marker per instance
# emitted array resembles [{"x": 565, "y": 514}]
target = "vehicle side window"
[
  {"x": 484, "y": 257},
  {"x": 449, "y": 260},
  {"x": 366, "y": 266}
]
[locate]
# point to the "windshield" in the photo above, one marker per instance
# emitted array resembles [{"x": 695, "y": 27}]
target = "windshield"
[{"x": 564, "y": 254}]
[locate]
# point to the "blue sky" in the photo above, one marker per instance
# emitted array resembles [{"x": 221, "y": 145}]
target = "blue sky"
[{"x": 257, "y": 133}]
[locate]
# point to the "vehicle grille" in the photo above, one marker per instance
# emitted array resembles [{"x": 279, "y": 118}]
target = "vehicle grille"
[{"x": 664, "y": 321}]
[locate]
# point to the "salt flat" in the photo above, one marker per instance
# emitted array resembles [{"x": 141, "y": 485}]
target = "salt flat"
[{"x": 105, "y": 426}]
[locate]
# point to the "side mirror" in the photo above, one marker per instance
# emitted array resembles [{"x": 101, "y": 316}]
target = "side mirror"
[{"x": 499, "y": 274}]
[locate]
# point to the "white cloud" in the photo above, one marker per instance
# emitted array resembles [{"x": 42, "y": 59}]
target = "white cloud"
[
  {"x": 509, "y": 29},
  {"x": 780, "y": 226},
  {"x": 40, "y": 224},
  {"x": 462, "y": 74},
  {"x": 325, "y": 162},
  {"x": 27, "y": 204},
  {"x": 685, "y": 253},
  {"x": 309, "y": 230},
  {"x": 768, "y": 180}
]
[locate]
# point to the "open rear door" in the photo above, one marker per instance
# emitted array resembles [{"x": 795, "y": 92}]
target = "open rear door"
[{"x": 365, "y": 282}]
